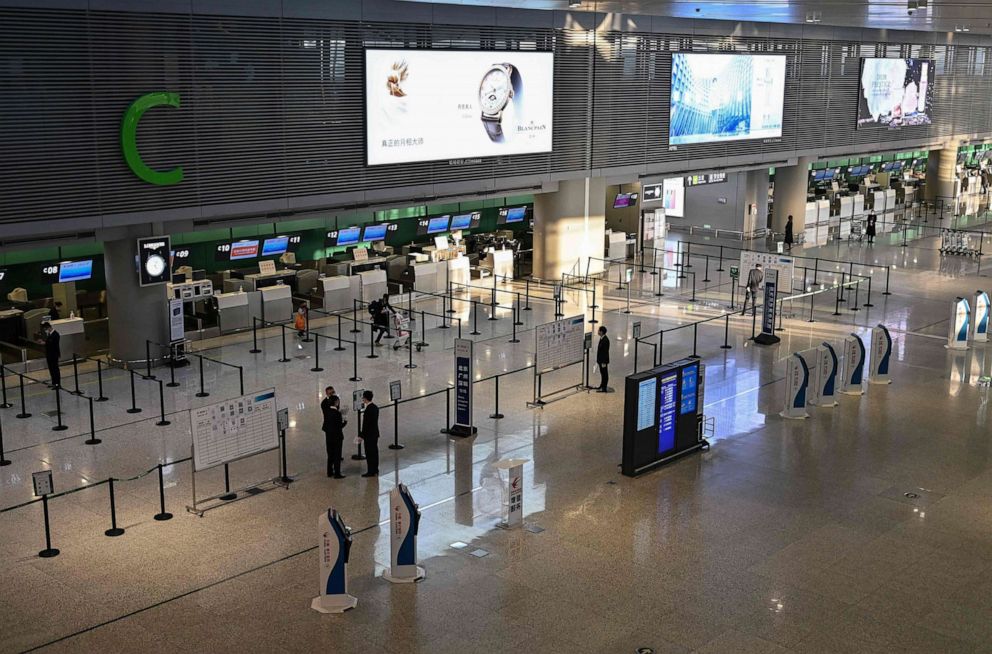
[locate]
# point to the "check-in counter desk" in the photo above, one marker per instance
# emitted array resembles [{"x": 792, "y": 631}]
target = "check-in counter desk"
[
  {"x": 616, "y": 245},
  {"x": 277, "y": 303},
  {"x": 288, "y": 277},
  {"x": 233, "y": 311},
  {"x": 428, "y": 276},
  {"x": 339, "y": 292},
  {"x": 458, "y": 271},
  {"x": 859, "y": 206},
  {"x": 500, "y": 262},
  {"x": 846, "y": 207},
  {"x": 71, "y": 335},
  {"x": 373, "y": 285}
]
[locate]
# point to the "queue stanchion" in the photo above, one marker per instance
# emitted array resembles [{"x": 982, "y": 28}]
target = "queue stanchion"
[
  {"x": 516, "y": 318},
  {"x": 339, "y": 348},
  {"x": 410, "y": 365},
  {"x": 24, "y": 410},
  {"x": 695, "y": 333},
  {"x": 888, "y": 269},
  {"x": 720, "y": 269},
  {"x": 49, "y": 551},
  {"x": 99, "y": 382},
  {"x": 203, "y": 392},
  {"x": 657, "y": 285},
  {"x": 687, "y": 262},
  {"x": 396, "y": 427},
  {"x": 475, "y": 320},
  {"x": 3, "y": 388},
  {"x": 854, "y": 305},
  {"x": 4, "y": 461},
  {"x": 447, "y": 411},
  {"x": 162, "y": 422},
  {"x": 372, "y": 354},
  {"x": 837, "y": 303},
  {"x": 514, "y": 339},
  {"x": 172, "y": 367},
  {"x": 451, "y": 300},
  {"x": 816, "y": 269},
  {"x": 241, "y": 380},
  {"x": 148, "y": 360},
  {"x": 228, "y": 495},
  {"x": 593, "y": 306},
  {"x": 527, "y": 294},
  {"x": 754, "y": 321},
  {"x": 358, "y": 456},
  {"x": 423, "y": 329},
  {"x": 58, "y": 410},
  {"x": 496, "y": 415},
  {"x": 812, "y": 301},
  {"x": 868, "y": 300},
  {"x": 134, "y": 402},
  {"x": 162, "y": 514},
  {"x": 693, "y": 298},
  {"x": 706, "y": 276},
  {"x": 354, "y": 363},
  {"x": 306, "y": 317},
  {"x": 316, "y": 354},
  {"x": 284, "y": 359},
  {"x": 92, "y": 440},
  {"x": 114, "y": 530},
  {"x": 75, "y": 376},
  {"x": 354, "y": 318},
  {"x": 254, "y": 336},
  {"x": 726, "y": 333}
]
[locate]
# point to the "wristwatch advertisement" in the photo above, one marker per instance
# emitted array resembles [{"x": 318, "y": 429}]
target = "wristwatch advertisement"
[
  {"x": 153, "y": 260},
  {"x": 499, "y": 87}
]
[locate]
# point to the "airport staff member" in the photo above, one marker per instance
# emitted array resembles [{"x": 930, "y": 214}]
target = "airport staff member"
[
  {"x": 754, "y": 279},
  {"x": 53, "y": 352},
  {"x": 603, "y": 359},
  {"x": 333, "y": 427},
  {"x": 370, "y": 434},
  {"x": 789, "y": 236}
]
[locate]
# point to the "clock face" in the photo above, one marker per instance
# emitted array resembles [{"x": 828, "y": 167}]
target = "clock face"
[
  {"x": 494, "y": 91},
  {"x": 155, "y": 266}
]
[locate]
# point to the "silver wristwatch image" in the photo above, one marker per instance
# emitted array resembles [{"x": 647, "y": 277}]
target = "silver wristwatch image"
[{"x": 499, "y": 85}]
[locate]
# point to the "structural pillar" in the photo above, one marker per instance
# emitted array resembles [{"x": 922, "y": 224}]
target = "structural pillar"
[
  {"x": 135, "y": 313},
  {"x": 942, "y": 178},
  {"x": 569, "y": 228},
  {"x": 791, "y": 183},
  {"x": 755, "y": 198}
]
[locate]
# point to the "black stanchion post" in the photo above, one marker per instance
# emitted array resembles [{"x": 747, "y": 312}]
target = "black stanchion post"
[
  {"x": 887, "y": 270},
  {"x": 515, "y": 323},
  {"x": 720, "y": 269},
  {"x": 354, "y": 318},
  {"x": 496, "y": 415},
  {"x": 354, "y": 363},
  {"x": 841, "y": 287},
  {"x": 286, "y": 479},
  {"x": 695, "y": 332},
  {"x": 687, "y": 263},
  {"x": 49, "y": 551},
  {"x": 837, "y": 303},
  {"x": 726, "y": 333},
  {"x": 854, "y": 305},
  {"x": 134, "y": 403},
  {"x": 162, "y": 514},
  {"x": 754, "y": 320},
  {"x": 475, "y": 320},
  {"x": 812, "y": 299},
  {"x": 316, "y": 354},
  {"x": 805, "y": 271},
  {"x": 372, "y": 354},
  {"x": 358, "y": 456},
  {"x": 516, "y": 318},
  {"x": 284, "y": 359},
  {"x": 693, "y": 299},
  {"x": 148, "y": 359},
  {"x": 203, "y": 392},
  {"x": 172, "y": 368},
  {"x": 58, "y": 410},
  {"x": 447, "y": 411},
  {"x": 114, "y": 529},
  {"x": 24, "y": 411},
  {"x": 593, "y": 306},
  {"x": 410, "y": 365},
  {"x": 162, "y": 422},
  {"x": 637, "y": 342},
  {"x": 254, "y": 336},
  {"x": 706, "y": 277},
  {"x": 4, "y": 461},
  {"x": 868, "y": 301},
  {"x": 527, "y": 293},
  {"x": 3, "y": 388},
  {"x": 451, "y": 300},
  {"x": 339, "y": 347},
  {"x": 99, "y": 381},
  {"x": 241, "y": 379},
  {"x": 228, "y": 495},
  {"x": 816, "y": 269},
  {"x": 92, "y": 440},
  {"x": 75, "y": 376},
  {"x": 396, "y": 427},
  {"x": 306, "y": 332}
]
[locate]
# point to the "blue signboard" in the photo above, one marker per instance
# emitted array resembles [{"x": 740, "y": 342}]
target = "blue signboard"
[
  {"x": 666, "y": 412},
  {"x": 690, "y": 384},
  {"x": 463, "y": 382}
]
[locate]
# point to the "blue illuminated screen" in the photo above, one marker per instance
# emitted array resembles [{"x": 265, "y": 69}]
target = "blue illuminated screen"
[
  {"x": 349, "y": 235},
  {"x": 666, "y": 413},
  {"x": 690, "y": 384},
  {"x": 516, "y": 214},
  {"x": 273, "y": 246},
  {"x": 75, "y": 271},
  {"x": 375, "y": 232},
  {"x": 437, "y": 225},
  {"x": 464, "y": 221}
]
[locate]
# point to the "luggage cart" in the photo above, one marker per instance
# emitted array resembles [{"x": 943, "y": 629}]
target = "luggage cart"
[{"x": 403, "y": 328}]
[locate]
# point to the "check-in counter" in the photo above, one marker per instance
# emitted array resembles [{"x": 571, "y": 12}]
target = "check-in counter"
[
  {"x": 277, "y": 303},
  {"x": 616, "y": 245},
  {"x": 500, "y": 262},
  {"x": 812, "y": 214},
  {"x": 846, "y": 207},
  {"x": 338, "y": 292},
  {"x": 458, "y": 271},
  {"x": 823, "y": 211},
  {"x": 257, "y": 281},
  {"x": 373, "y": 285},
  {"x": 232, "y": 311},
  {"x": 428, "y": 276},
  {"x": 71, "y": 335},
  {"x": 890, "y": 199},
  {"x": 859, "y": 205}
]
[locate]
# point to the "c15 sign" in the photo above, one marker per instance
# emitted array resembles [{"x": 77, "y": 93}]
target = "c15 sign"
[{"x": 129, "y": 139}]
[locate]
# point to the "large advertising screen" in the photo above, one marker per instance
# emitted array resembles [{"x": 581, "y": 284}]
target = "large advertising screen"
[
  {"x": 426, "y": 105},
  {"x": 725, "y": 97},
  {"x": 895, "y": 92}
]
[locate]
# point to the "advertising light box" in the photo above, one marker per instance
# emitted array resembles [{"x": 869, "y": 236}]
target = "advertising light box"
[
  {"x": 896, "y": 92},
  {"x": 428, "y": 105},
  {"x": 725, "y": 97}
]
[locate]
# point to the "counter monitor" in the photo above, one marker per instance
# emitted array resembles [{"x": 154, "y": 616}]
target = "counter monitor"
[
  {"x": 275, "y": 246},
  {"x": 244, "y": 250},
  {"x": 75, "y": 271}
]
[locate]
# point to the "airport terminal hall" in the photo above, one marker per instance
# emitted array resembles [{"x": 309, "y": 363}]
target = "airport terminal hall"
[{"x": 496, "y": 326}]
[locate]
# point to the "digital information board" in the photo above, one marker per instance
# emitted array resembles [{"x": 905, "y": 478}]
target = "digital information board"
[
  {"x": 646, "y": 403},
  {"x": 666, "y": 414}
]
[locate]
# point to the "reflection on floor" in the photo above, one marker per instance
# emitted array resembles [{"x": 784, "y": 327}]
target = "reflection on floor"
[{"x": 785, "y": 536}]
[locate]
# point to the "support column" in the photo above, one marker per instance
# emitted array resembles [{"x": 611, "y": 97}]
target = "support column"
[
  {"x": 569, "y": 227},
  {"x": 942, "y": 179},
  {"x": 755, "y": 196},
  {"x": 135, "y": 313},
  {"x": 791, "y": 183}
]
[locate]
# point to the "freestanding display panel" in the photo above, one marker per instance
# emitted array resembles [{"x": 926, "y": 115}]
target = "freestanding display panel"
[
  {"x": 957, "y": 337},
  {"x": 881, "y": 353},
  {"x": 404, "y": 525},
  {"x": 334, "y": 541},
  {"x": 854, "y": 366},
  {"x": 981, "y": 321}
]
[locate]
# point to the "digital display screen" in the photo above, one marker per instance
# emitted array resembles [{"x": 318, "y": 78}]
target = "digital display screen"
[
  {"x": 465, "y": 221},
  {"x": 375, "y": 232},
  {"x": 673, "y": 198},
  {"x": 75, "y": 271},
  {"x": 438, "y": 225},
  {"x": 896, "y": 92},
  {"x": 646, "y": 403},
  {"x": 428, "y": 105},
  {"x": 244, "y": 250},
  {"x": 666, "y": 412},
  {"x": 274, "y": 246},
  {"x": 509, "y": 215},
  {"x": 725, "y": 97},
  {"x": 349, "y": 236},
  {"x": 690, "y": 386},
  {"x": 623, "y": 200}
]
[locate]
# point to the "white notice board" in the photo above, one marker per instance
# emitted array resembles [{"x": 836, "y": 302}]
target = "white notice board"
[
  {"x": 559, "y": 343},
  {"x": 768, "y": 260},
  {"x": 234, "y": 429}
]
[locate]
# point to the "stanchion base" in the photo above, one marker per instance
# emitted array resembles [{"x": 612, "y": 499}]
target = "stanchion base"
[
  {"x": 354, "y": 379},
  {"x": 23, "y": 415},
  {"x": 706, "y": 280},
  {"x": 49, "y": 553},
  {"x": 395, "y": 446},
  {"x": 526, "y": 309},
  {"x": 496, "y": 416},
  {"x": 78, "y": 393},
  {"x": 285, "y": 480},
  {"x": 518, "y": 323},
  {"x": 333, "y": 603},
  {"x": 101, "y": 399},
  {"x": 254, "y": 351},
  {"x": 340, "y": 349},
  {"x": 421, "y": 574},
  {"x": 726, "y": 347},
  {"x": 134, "y": 410},
  {"x": 513, "y": 340},
  {"x": 316, "y": 370},
  {"x": 204, "y": 394},
  {"x": 886, "y": 293},
  {"x": 593, "y": 321},
  {"x": 460, "y": 430},
  {"x": 355, "y": 331},
  {"x": 173, "y": 384},
  {"x": 474, "y": 333},
  {"x": 6, "y": 405},
  {"x": 162, "y": 517},
  {"x": 4, "y": 462},
  {"x": 307, "y": 340},
  {"x": 284, "y": 360},
  {"x": 866, "y": 304},
  {"x": 113, "y": 533},
  {"x": 60, "y": 427},
  {"x": 357, "y": 457},
  {"x": 228, "y": 497},
  {"x": 92, "y": 441},
  {"x": 492, "y": 318},
  {"x": 163, "y": 423},
  {"x": 422, "y": 343},
  {"x": 410, "y": 366},
  {"x": 371, "y": 356}
]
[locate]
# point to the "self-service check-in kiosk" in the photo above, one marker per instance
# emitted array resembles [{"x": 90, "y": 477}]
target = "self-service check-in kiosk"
[
  {"x": 854, "y": 366},
  {"x": 881, "y": 354},
  {"x": 823, "y": 376},
  {"x": 957, "y": 336},
  {"x": 980, "y": 333},
  {"x": 334, "y": 543},
  {"x": 232, "y": 311},
  {"x": 404, "y": 525},
  {"x": 338, "y": 292},
  {"x": 373, "y": 285},
  {"x": 277, "y": 303},
  {"x": 796, "y": 383}
]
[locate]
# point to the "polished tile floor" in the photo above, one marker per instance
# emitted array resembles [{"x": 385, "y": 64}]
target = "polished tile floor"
[{"x": 785, "y": 536}]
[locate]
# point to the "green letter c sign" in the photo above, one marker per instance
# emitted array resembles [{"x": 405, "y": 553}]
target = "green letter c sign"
[{"x": 129, "y": 139}]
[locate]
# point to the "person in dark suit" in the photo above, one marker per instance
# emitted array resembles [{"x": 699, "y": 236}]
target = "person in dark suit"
[
  {"x": 370, "y": 434},
  {"x": 333, "y": 426},
  {"x": 53, "y": 352},
  {"x": 603, "y": 359},
  {"x": 789, "y": 236}
]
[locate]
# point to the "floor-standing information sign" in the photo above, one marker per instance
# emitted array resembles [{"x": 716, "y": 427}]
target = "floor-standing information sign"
[
  {"x": 881, "y": 354},
  {"x": 404, "y": 525},
  {"x": 981, "y": 320},
  {"x": 514, "y": 491},
  {"x": 854, "y": 366},
  {"x": 825, "y": 377},
  {"x": 334, "y": 545},
  {"x": 767, "y": 335},
  {"x": 796, "y": 383},
  {"x": 464, "y": 373},
  {"x": 957, "y": 337}
]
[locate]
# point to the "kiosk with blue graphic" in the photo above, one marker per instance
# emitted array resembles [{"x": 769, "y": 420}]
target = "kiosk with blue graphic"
[
  {"x": 981, "y": 322},
  {"x": 823, "y": 376},
  {"x": 854, "y": 366},
  {"x": 334, "y": 543},
  {"x": 796, "y": 383},
  {"x": 881, "y": 354},
  {"x": 404, "y": 524},
  {"x": 957, "y": 337}
]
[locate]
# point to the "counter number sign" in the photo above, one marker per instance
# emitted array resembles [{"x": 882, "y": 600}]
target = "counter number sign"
[
  {"x": 395, "y": 391},
  {"x": 42, "y": 482},
  {"x": 735, "y": 272}
]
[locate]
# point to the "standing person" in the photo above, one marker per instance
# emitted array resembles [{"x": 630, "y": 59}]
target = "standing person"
[
  {"x": 789, "y": 236},
  {"x": 603, "y": 359},
  {"x": 300, "y": 321},
  {"x": 870, "y": 228},
  {"x": 333, "y": 427},
  {"x": 53, "y": 353},
  {"x": 370, "y": 434},
  {"x": 754, "y": 279}
]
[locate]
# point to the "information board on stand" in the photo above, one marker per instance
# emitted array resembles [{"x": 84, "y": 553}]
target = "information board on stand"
[
  {"x": 769, "y": 261},
  {"x": 234, "y": 429},
  {"x": 559, "y": 343}
]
